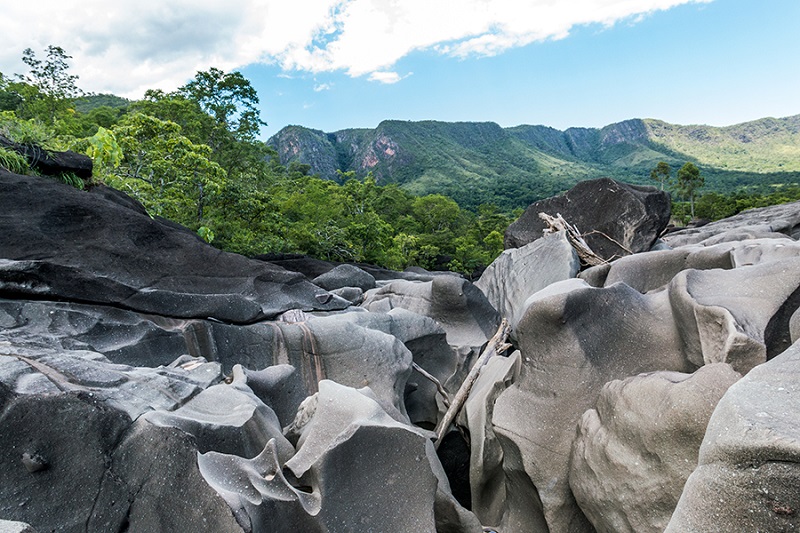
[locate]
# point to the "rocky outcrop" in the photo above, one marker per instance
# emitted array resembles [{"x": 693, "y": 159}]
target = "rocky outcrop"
[
  {"x": 51, "y": 163},
  {"x": 69, "y": 245},
  {"x": 616, "y": 219},
  {"x": 521, "y": 272},
  {"x": 151, "y": 383},
  {"x": 748, "y": 477},
  {"x": 636, "y": 448},
  {"x": 766, "y": 222}
]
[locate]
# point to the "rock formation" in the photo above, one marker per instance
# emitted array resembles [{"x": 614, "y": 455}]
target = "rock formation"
[
  {"x": 149, "y": 382},
  {"x": 617, "y": 219}
]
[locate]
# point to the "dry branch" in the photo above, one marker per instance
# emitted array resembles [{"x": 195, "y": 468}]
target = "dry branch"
[
  {"x": 431, "y": 377},
  {"x": 496, "y": 344},
  {"x": 586, "y": 255}
]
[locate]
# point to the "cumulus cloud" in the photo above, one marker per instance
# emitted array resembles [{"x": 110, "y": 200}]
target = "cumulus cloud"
[{"x": 127, "y": 46}]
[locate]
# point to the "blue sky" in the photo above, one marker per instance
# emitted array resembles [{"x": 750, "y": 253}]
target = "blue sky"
[{"x": 335, "y": 64}]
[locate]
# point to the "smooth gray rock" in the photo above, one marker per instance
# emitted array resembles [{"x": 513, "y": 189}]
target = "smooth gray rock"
[
  {"x": 783, "y": 220},
  {"x": 124, "y": 337},
  {"x": 748, "y": 476},
  {"x": 64, "y": 244},
  {"x": 227, "y": 418},
  {"x": 152, "y": 482},
  {"x": 349, "y": 451},
  {"x": 345, "y": 276},
  {"x": 8, "y": 526},
  {"x": 501, "y": 496},
  {"x": 616, "y": 218},
  {"x": 572, "y": 343},
  {"x": 636, "y": 448},
  {"x": 455, "y": 303},
  {"x": 519, "y": 272},
  {"x": 725, "y": 314}
]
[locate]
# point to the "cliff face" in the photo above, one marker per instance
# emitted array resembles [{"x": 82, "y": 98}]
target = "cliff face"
[{"x": 480, "y": 161}]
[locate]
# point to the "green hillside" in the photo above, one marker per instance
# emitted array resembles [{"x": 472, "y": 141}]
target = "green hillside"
[{"x": 483, "y": 163}]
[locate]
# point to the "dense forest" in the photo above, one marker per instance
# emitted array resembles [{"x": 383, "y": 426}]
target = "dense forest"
[{"x": 193, "y": 156}]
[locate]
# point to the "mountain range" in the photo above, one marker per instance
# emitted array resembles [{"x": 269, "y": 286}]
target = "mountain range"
[{"x": 482, "y": 162}]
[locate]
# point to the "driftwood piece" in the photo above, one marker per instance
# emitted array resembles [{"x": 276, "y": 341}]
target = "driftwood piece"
[
  {"x": 497, "y": 344},
  {"x": 432, "y": 378},
  {"x": 586, "y": 255}
]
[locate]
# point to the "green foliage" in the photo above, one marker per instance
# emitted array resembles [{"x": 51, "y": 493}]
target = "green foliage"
[
  {"x": 104, "y": 150},
  {"x": 192, "y": 156},
  {"x": 89, "y": 102},
  {"x": 50, "y": 87},
  {"x": 661, "y": 174},
  {"x": 13, "y": 162},
  {"x": 229, "y": 98},
  {"x": 30, "y": 132},
  {"x": 688, "y": 183},
  {"x": 71, "y": 179},
  {"x": 172, "y": 176}
]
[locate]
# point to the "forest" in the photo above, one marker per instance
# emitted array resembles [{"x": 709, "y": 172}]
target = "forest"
[{"x": 194, "y": 156}]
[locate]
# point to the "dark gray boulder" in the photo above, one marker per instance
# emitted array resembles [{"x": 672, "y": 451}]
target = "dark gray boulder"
[
  {"x": 51, "y": 163},
  {"x": 616, "y": 218},
  {"x": 64, "y": 244},
  {"x": 345, "y": 276}
]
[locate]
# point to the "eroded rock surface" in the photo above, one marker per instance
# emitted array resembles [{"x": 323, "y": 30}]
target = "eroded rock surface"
[
  {"x": 748, "y": 477},
  {"x": 636, "y": 448},
  {"x": 64, "y": 244}
]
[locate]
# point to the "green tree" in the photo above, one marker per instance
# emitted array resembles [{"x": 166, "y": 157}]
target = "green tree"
[
  {"x": 172, "y": 176},
  {"x": 229, "y": 98},
  {"x": 52, "y": 87},
  {"x": 689, "y": 182},
  {"x": 661, "y": 174}
]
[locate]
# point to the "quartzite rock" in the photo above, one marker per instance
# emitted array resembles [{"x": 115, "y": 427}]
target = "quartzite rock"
[
  {"x": 572, "y": 344},
  {"x": 64, "y": 244},
  {"x": 748, "y": 476},
  {"x": 520, "y": 272},
  {"x": 625, "y": 218},
  {"x": 637, "y": 447}
]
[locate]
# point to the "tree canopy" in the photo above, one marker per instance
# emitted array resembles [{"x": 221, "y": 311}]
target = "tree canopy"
[{"x": 193, "y": 156}]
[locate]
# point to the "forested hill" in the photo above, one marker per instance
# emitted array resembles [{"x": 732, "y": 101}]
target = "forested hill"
[{"x": 479, "y": 163}]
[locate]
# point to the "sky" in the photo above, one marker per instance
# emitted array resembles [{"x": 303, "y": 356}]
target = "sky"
[{"x": 336, "y": 64}]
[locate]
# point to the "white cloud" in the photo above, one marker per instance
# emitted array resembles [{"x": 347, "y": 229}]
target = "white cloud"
[
  {"x": 127, "y": 46},
  {"x": 385, "y": 77},
  {"x": 322, "y": 87}
]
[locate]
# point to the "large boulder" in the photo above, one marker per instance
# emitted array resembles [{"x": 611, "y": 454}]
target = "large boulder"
[
  {"x": 617, "y": 219},
  {"x": 520, "y": 272},
  {"x": 572, "y": 343},
  {"x": 64, "y": 244},
  {"x": 636, "y": 448},
  {"x": 51, "y": 163},
  {"x": 748, "y": 474}
]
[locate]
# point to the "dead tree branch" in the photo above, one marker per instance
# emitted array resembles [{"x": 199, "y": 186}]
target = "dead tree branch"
[
  {"x": 586, "y": 255},
  {"x": 496, "y": 344}
]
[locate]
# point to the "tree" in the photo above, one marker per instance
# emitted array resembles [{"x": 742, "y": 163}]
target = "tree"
[
  {"x": 172, "y": 176},
  {"x": 689, "y": 181},
  {"x": 230, "y": 99},
  {"x": 53, "y": 87},
  {"x": 661, "y": 174}
]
